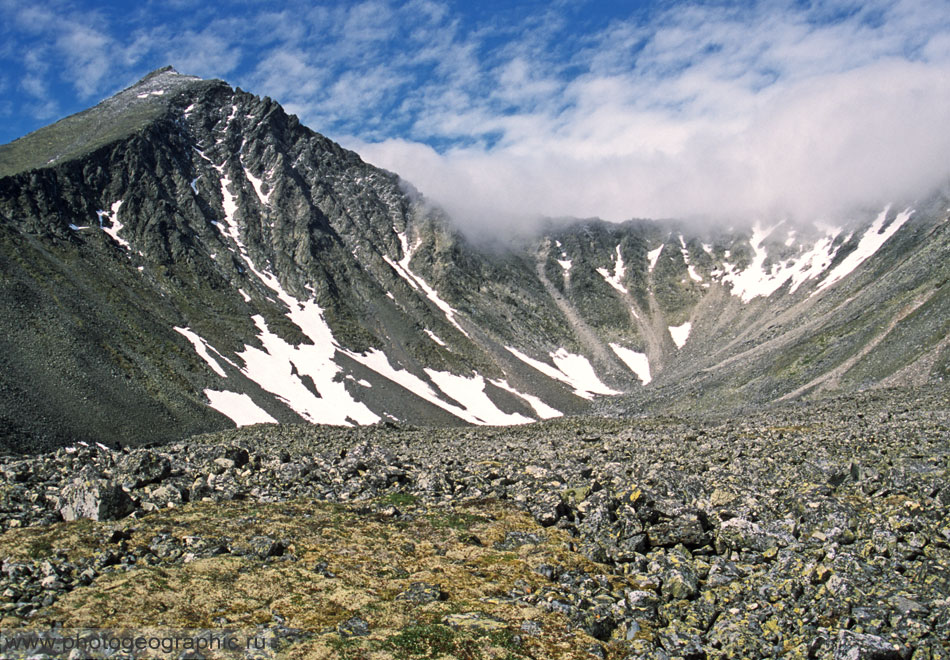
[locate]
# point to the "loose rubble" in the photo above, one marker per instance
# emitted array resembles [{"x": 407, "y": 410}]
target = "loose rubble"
[{"x": 796, "y": 532}]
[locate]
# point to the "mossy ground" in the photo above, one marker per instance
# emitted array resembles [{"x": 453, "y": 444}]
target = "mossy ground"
[{"x": 372, "y": 559}]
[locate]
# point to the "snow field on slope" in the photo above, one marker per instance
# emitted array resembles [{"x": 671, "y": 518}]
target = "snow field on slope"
[
  {"x": 571, "y": 369},
  {"x": 870, "y": 243},
  {"x": 635, "y": 361},
  {"x": 280, "y": 368},
  {"x": 240, "y": 408},
  {"x": 201, "y": 347},
  {"x": 680, "y": 333},
  {"x": 755, "y": 281}
]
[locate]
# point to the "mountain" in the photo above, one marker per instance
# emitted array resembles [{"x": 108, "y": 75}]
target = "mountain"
[{"x": 186, "y": 256}]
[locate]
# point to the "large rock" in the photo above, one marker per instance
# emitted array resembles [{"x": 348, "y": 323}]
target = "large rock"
[
  {"x": 741, "y": 534},
  {"x": 856, "y": 646},
  {"x": 141, "y": 468},
  {"x": 686, "y": 529},
  {"x": 96, "y": 499}
]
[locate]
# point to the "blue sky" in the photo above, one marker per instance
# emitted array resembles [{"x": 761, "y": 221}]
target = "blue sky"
[{"x": 502, "y": 110}]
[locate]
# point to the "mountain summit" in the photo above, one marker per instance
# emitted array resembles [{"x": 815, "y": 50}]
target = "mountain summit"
[{"x": 185, "y": 256}]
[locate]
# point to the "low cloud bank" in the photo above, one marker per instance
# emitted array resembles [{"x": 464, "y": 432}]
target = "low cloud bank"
[{"x": 822, "y": 148}]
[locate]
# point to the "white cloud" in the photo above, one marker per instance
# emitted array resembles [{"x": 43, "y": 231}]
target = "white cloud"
[{"x": 710, "y": 112}]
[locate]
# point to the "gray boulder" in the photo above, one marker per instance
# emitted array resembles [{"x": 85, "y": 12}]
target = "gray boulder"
[{"x": 96, "y": 499}]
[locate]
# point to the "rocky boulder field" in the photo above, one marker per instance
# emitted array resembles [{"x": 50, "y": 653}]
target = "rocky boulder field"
[{"x": 807, "y": 530}]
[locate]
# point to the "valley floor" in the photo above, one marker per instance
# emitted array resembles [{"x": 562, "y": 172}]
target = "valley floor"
[{"x": 801, "y": 531}]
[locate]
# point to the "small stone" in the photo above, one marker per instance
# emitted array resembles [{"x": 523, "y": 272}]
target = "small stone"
[
  {"x": 354, "y": 627},
  {"x": 530, "y": 628},
  {"x": 224, "y": 463},
  {"x": 141, "y": 468},
  {"x": 515, "y": 540},
  {"x": 422, "y": 592},
  {"x": 687, "y": 530},
  {"x": 475, "y": 622},
  {"x": 721, "y": 497},
  {"x": 265, "y": 547}
]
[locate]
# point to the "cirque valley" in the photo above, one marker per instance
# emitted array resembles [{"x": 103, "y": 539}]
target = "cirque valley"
[{"x": 185, "y": 257}]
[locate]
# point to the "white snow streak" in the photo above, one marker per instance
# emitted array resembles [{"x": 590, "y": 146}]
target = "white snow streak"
[
  {"x": 416, "y": 282},
  {"x": 434, "y": 337},
  {"x": 256, "y": 183},
  {"x": 543, "y": 410},
  {"x": 693, "y": 275},
  {"x": 870, "y": 243},
  {"x": 619, "y": 271},
  {"x": 654, "y": 256},
  {"x": 201, "y": 348},
  {"x": 239, "y": 407},
  {"x": 113, "y": 231},
  {"x": 636, "y": 362}
]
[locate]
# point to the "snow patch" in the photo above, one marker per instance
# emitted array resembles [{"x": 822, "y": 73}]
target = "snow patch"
[
  {"x": 653, "y": 256},
  {"x": 256, "y": 183},
  {"x": 116, "y": 225},
  {"x": 541, "y": 409},
  {"x": 636, "y": 362},
  {"x": 279, "y": 368},
  {"x": 755, "y": 281},
  {"x": 470, "y": 392},
  {"x": 471, "y": 403},
  {"x": 574, "y": 370},
  {"x": 870, "y": 243},
  {"x": 239, "y": 407},
  {"x": 693, "y": 275},
  {"x": 680, "y": 333},
  {"x": 619, "y": 271},
  {"x": 201, "y": 348}
]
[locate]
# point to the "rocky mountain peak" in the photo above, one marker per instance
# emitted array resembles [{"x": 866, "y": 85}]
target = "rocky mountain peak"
[{"x": 186, "y": 256}]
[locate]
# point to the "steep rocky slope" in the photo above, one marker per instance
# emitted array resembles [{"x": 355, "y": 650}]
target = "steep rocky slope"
[{"x": 186, "y": 256}]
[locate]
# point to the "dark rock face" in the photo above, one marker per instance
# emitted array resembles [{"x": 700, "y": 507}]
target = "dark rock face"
[{"x": 209, "y": 210}]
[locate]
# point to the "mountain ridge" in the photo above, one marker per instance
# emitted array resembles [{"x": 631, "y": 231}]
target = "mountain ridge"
[{"x": 211, "y": 256}]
